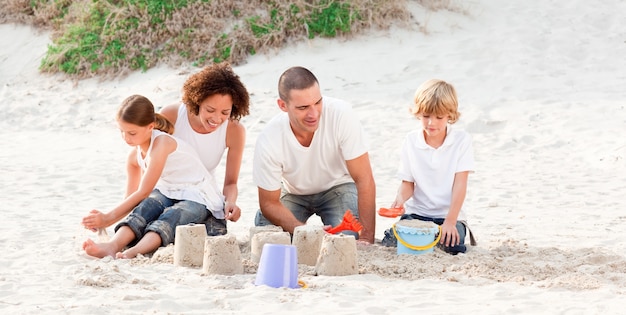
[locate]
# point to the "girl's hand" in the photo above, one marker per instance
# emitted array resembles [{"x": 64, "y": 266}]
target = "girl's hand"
[
  {"x": 94, "y": 220},
  {"x": 232, "y": 212}
]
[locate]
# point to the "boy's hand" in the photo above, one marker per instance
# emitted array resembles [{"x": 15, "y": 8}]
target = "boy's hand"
[{"x": 449, "y": 234}]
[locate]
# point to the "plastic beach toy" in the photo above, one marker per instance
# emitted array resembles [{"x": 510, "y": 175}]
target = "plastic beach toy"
[
  {"x": 349, "y": 223},
  {"x": 278, "y": 266},
  {"x": 389, "y": 212}
]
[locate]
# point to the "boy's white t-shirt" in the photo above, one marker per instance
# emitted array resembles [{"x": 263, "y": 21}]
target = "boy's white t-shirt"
[
  {"x": 432, "y": 170},
  {"x": 280, "y": 158}
]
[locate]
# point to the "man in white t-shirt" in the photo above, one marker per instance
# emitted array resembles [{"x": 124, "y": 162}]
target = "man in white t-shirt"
[{"x": 313, "y": 159}]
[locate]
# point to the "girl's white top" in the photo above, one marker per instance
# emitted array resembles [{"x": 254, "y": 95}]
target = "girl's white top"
[
  {"x": 432, "y": 170},
  {"x": 184, "y": 177}
]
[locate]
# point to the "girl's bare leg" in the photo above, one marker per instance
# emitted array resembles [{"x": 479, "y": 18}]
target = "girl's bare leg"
[
  {"x": 122, "y": 237},
  {"x": 148, "y": 243}
]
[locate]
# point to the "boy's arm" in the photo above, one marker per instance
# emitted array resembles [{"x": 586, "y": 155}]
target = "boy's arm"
[
  {"x": 450, "y": 235},
  {"x": 405, "y": 191}
]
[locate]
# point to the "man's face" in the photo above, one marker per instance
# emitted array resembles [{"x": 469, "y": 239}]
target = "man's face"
[{"x": 304, "y": 109}]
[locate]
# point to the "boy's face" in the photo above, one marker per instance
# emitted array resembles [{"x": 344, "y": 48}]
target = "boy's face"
[{"x": 434, "y": 125}]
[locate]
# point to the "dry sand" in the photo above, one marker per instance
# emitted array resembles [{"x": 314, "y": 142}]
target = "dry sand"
[{"x": 542, "y": 88}]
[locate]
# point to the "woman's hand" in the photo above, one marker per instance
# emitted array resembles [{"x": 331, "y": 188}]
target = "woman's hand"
[{"x": 231, "y": 211}]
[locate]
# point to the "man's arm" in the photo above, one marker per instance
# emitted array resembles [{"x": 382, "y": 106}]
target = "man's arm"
[
  {"x": 273, "y": 210},
  {"x": 361, "y": 172}
]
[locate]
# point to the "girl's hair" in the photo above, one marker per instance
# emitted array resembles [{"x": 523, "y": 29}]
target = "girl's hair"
[
  {"x": 436, "y": 97},
  {"x": 218, "y": 78},
  {"x": 138, "y": 110},
  {"x": 295, "y": 78}
]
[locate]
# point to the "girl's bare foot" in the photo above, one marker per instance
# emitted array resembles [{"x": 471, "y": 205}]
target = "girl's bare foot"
[
  {"x": 127, "y": 254},
  {"x": 99, "y": 250}
]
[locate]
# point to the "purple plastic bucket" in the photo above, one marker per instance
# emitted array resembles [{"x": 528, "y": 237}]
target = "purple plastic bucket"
[{"x": 278, "y": 266}]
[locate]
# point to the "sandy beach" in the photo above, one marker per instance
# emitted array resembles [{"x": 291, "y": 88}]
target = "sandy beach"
[{"x": 542, "y": 90}]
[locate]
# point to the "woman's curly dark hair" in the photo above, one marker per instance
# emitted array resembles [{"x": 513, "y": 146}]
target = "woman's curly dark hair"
[{"x": 217, "y": 78}]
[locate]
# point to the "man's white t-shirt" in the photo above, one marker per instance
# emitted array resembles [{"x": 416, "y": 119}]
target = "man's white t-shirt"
[
  {"x": 280, "y": 158},
  {"x": 432, "y": 170}
]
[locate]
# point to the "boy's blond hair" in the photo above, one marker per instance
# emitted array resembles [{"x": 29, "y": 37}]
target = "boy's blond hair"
[{"x": 436, "y": 97}]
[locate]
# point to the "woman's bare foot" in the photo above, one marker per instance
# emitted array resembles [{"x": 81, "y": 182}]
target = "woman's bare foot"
[{"x": 99, "y": 250}]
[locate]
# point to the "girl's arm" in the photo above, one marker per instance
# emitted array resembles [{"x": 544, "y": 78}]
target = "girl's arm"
[
  {"x": 98, "y": 220},
  {"x": 450, "y": 235},
  {"x": 162, "y": 147},
  {"x": 235, "y": 141},
  {"x": 133, "y": 173}
]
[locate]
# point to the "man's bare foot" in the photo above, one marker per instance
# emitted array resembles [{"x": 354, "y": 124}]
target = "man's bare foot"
[{"x": 99, "y": 250}]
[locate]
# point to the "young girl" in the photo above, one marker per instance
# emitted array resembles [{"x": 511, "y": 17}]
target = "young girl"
[
  {"x": 434, "y": 165},
  {"x": 167, "y": 186}
]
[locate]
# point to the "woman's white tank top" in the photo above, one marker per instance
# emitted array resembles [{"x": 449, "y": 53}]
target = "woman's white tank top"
[{"x": 210, "y": 146}]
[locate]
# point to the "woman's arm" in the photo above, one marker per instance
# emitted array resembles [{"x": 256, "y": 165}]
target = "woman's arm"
[
  {"x": 170, "y": 112},
  {"x": 235, "y": 142}
]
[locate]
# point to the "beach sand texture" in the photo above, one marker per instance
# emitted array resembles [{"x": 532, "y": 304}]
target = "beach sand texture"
[{"x": 542, "y": 90}]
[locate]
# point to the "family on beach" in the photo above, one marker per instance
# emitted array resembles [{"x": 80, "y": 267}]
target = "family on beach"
[{"x": 310, "y": 159}]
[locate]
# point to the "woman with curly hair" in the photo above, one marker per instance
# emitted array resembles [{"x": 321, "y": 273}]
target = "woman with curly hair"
[{"x": 213, "y": 102}]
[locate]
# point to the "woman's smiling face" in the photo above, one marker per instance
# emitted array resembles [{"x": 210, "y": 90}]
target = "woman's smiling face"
[{"x": 214, "y": 111}]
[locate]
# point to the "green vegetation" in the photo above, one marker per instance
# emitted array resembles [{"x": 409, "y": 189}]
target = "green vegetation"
[
  {"x": 109, "y": 37},
  {"x": 332, "y": 17}
]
